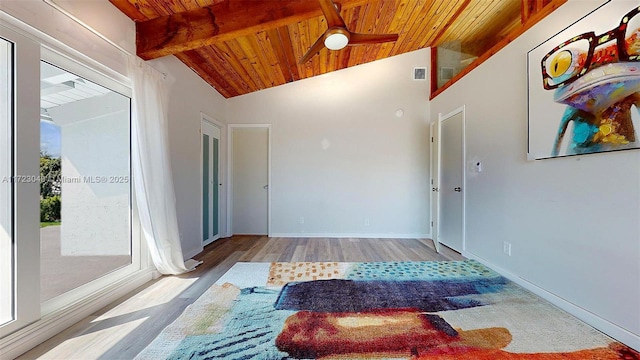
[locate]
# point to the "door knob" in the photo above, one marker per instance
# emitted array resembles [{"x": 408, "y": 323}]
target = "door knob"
[
  {"x": 458, "y": 189},
  {"x": 434, "y": 189},
  {"x": 265, "y": 187}
]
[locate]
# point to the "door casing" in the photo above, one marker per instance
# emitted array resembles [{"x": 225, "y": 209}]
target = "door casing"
[{"x": 209, "y": 121}]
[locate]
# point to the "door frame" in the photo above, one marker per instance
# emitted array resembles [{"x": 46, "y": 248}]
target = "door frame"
[
  {"x": 221, "y": 168},
  {"x": 441, "y": 119},
  {"x": 231, "y": 128},
  {"x": 434, "y": 128}
]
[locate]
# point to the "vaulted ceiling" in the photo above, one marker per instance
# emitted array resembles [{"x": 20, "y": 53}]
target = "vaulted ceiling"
[{"x": 241, "y": 46}]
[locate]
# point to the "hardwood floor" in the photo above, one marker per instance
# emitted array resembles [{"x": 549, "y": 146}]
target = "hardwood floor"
[{"x": 123, "y": 329}]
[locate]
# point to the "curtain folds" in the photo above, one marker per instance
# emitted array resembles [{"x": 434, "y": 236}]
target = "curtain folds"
[{"x": 152, "y": 176}]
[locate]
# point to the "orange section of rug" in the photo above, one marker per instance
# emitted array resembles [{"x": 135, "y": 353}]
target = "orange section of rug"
[
  {"x": 282, "y": 273},
  {"x": 402, "y": 331}
]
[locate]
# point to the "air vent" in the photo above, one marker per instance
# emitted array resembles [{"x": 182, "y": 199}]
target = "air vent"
[{"x": 419, "y": 73}]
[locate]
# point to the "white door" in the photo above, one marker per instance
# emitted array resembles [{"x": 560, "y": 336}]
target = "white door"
[
  {"x": 211, "y": 183},
  {"x": 451, "y": 189},
  {"x": 434, "y": 182},
  {"x": 250, "y": 179}
]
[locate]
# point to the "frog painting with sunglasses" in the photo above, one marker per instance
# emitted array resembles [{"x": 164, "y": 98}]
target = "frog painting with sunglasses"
[{"x": 598, "y": 78}]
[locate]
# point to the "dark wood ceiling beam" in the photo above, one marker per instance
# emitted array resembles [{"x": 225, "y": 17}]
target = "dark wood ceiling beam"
[{"x": 188, "y": 30}]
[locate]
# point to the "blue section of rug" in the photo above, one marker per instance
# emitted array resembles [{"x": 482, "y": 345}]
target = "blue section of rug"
[
  {"x": 364, "y": 295},
  {"x": 420, "y": 270},
  {"x": 250, "y": 331}
]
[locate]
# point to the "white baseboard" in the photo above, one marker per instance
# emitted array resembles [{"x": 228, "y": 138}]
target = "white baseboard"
[
  {"x": 23, "y": 340},
  {"x": 352, "y": 235},
  {"x": 624, "y": 336}
]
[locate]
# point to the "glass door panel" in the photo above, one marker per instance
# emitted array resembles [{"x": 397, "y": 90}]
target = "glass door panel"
[
  {"x": 85, "y": 220},
  {"x": 210, "y": 182},
  {"x": 205, "y": 187}
]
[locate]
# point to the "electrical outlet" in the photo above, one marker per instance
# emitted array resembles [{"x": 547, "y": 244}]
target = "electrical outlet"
[
  {"x": 301, "y": 219},
  {"x": 506, "y": 248},
  {"x": 366, "y": 222}
]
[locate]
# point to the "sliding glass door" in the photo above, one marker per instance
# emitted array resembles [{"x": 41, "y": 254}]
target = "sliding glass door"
[
  {"x": 19, "y": 248},
  {"x": 6, "y": 174},
  {"x": 85, "y": 227},
  {"x": 65, "y": 182}
]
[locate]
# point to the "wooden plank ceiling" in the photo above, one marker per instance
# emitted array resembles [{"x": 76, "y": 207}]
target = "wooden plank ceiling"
[{"x": 242, "y": 46}]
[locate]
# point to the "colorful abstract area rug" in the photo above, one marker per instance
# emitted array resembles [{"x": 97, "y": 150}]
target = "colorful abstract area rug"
[{"x": 380, "y": 310}]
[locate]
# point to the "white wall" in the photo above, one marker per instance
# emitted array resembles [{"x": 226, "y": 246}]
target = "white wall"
[
  {"x": 340, "y": 155},
  {"x": 189, "y": 96},
  {"x": 573, "y": 222}
]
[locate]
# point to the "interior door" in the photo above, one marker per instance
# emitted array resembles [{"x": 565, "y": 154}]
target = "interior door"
[
  {"x": 250, "y": 174},
  {"x": 434, "y": 182},
  {"x": 451, "y": 189},
  {"x": 210, "y": 182}
]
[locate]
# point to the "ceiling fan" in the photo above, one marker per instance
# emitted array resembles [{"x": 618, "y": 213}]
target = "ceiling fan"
[{"x": 338, "y": 36}]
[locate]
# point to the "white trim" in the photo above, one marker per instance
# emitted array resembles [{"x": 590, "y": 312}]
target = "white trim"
[
  {"x": 70, "y": 64},
  {"x": 221, "y": 175},
  {"x": 56, "y": 6},
  {"x": 441, "y": 117},
  {"x": 230, "y": 174},
  {"x": 50, "y": 325},
  {"x": 352, "y": 235},
  {"x": 25, "y": 202},
  {"x": 628, "y": 338},
  {"x": 55, "y": 46},
  {"x": 434, "y": 183}
]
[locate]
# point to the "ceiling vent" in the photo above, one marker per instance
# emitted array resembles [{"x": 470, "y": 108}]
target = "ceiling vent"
[{"x": 419, "y": 73}]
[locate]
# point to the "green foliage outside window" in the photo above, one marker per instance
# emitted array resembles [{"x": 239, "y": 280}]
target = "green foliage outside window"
[{"x": 50, "y": 200}]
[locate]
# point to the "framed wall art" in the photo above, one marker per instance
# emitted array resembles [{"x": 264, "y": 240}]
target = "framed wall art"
[{"x": 584, "y": 85}]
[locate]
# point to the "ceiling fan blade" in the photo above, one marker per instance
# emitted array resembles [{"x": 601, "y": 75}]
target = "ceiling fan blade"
[
  {"x": 332, "y": 14},
  {"x": 363, "y": 39},
  {"x": 315, "y": 48}
]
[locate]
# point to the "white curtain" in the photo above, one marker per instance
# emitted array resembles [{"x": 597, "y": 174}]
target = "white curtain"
[{"x": 152, "y": 177}]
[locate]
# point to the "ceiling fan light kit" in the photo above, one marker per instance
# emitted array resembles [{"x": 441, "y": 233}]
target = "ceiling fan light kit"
[{"x": 337, "y": 37}]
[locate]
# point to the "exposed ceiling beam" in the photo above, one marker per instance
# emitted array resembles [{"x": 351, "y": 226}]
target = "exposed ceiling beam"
[{"x": 223, "y": 21}]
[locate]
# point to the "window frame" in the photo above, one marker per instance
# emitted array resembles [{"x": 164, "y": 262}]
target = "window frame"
[
  {"x": 7, "y": 245},
  {"x": 73, "y": 66}
]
